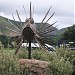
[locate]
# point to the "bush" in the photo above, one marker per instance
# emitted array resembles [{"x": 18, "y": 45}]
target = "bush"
[
  {"x": 23, "y": 53},
  {"x": 8, "y": 63},
  {"x": 40, "y": 55},
  {"x": 62, "y": 61}
]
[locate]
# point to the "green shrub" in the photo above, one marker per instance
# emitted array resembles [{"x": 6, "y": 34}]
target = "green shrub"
[
  {"x": 40, "y": 55},
  {"x": 8, "y": 63},
  {"x": 23, "y": 53},
  {"x": 62, "y": 61}
]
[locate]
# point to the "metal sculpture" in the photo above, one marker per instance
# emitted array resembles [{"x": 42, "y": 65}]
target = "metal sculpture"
[{"x": 29, "y": 32}]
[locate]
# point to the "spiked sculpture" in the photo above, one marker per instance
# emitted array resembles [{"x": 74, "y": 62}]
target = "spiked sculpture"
[{"x": 29, "y": 32}]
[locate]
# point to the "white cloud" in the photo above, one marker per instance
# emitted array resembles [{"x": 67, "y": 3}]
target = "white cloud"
[{"x": 64, "y": 10}]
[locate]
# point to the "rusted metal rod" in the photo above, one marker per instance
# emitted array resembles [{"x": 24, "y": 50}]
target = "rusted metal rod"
[{"x": 29, "y": 50}]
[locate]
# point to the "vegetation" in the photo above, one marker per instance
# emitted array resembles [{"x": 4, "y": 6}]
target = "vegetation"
[
  {"x": 57, "y": 34},
  {"x": 62, "y": 61},
  {"x": 6, "y": 41},
  {"x": 69, "y": 34},
  {"x": 2, "y": 39},
  {"x": 8, "y": 63}
]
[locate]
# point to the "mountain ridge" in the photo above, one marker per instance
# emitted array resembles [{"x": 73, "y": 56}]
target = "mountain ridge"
[{"x": 4, "y": 23}]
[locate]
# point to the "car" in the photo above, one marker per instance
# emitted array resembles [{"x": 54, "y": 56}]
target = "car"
[
  {"x": 50, "y": 48},
  {"x": 36, "y": 45}
]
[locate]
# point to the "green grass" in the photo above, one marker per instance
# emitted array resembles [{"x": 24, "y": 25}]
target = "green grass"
[{"x": 62, "y": 61}]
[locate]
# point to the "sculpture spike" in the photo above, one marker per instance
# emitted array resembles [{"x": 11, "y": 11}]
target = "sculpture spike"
[
  {"x": 49, "y": 30},
  {"x": 12, "y": 30},
  {"x": 47, "y": 20},
  {"x": 48, "y": 27},
  {"x": 19, "y": 17},
  {"x": 45, "y": 17},
  {"x": 46, "y": 14},
  {"x": 25, "y": 11},
  {"x": 19, "y": 46},
  {"x": 14, "y": 25},
  {"x": 30, "y": 11},
  {"x": 50, "y": 17},
  {"x": 15, "y": 21}
]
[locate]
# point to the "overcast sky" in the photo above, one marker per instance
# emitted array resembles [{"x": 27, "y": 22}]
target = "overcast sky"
[{"x": 64, "y": 10}]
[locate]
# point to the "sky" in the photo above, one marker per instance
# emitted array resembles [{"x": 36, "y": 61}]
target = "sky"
[{"x": 64, "y": 10}]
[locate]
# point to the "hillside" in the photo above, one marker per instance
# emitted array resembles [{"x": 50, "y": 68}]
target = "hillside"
[
  {"x": 5, "y": 23},
  {"x": 58, "y": 34},
  {"x": 61, "y": 31}
]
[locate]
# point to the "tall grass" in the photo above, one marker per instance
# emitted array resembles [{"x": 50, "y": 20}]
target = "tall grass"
[{"x": 62, "y": 61}]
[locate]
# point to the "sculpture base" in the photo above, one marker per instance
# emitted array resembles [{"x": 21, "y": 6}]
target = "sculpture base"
[{"x": 33, "y": 66}]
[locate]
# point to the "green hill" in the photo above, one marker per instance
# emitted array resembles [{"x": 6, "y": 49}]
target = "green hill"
[
  {"x": 4, "y": 23},
  {"x": 58, "y": 34}
]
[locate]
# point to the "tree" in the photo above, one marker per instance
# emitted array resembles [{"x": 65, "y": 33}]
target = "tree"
[
  {"x": 4, "y": 40},
  {"x": 69, "y": 34}
]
